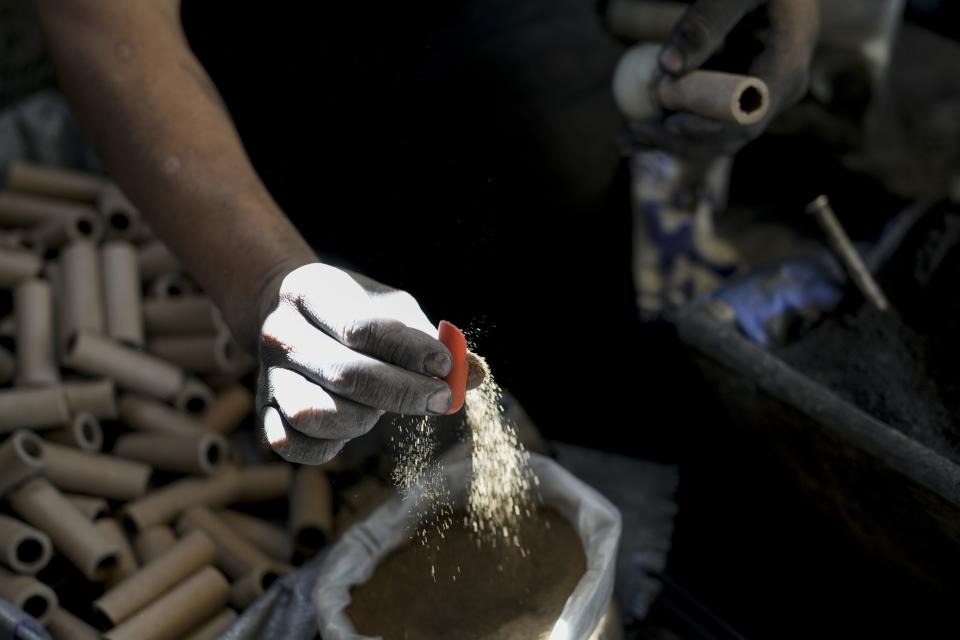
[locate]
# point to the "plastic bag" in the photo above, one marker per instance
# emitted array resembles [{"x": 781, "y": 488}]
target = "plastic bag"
[{"x": 354, "y": 558}]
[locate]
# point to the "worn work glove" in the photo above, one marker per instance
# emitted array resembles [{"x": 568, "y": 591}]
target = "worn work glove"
[
  {"x": 337, "y": 351},
  {"x": 780, "y": 56}
]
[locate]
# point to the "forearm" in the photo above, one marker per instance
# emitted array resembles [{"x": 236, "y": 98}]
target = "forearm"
[{"x": 162, "y": 130}]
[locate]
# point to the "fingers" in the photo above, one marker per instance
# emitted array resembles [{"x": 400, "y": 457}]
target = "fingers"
[
  {"x": 292, "y": 445},
  {"x": 701, "y": 32},
  {"x": 692, "y": 137},
  {"x": 313, "y": 411},
  {"x": 289, "y": 340},
  {"x": 380, "y": 322}
]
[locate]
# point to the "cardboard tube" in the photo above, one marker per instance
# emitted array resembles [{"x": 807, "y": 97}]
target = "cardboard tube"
[
  {"x": 235, "y": 555},
  {"x": 146, "y": 414},
  {"x": 196, "y": 353},
  {"x": 194, "y": 397},
  {"x": 82, "y": 301},
  {"x": 200, "y": 453},
  {"x": 187, "y": 314},
  {"x": 251, "y": 586},
  {"x": 72, "y": 534},
  {"x": 54, "y": 182},
  {"x": 95, "y": 474},
  {"x": 70, "y": 225},
  {"x": 130, "y": 369},
  {"x": 63, "y": 625},
  {"x": 32, "y": 596},
  {"x": 179, "y": 610},
  {"x": 189, "y": 555},
  {"x": 228, "y": 410},
  {"x": 640, "y": 21},
  {"x": 127, "y": 562},
  {"x": 269, "y": 538},
  {"x": 84, "y": 432},
  {"x": 212, "y": 628},
  {"x": 17, "y": 265},
  {"x": 263, "y": 483},
  {"x": 23, "y": 549},
  {"x": 26, "y": 211},
  {"x": 121, "y": 288},
  {"x": 40, "y": 408},
  {"x": 98, "y": 398},
  {"x": 725, "y": 97},
  {"x": 153, "y": 542},
  {"x": 164, "y": 505},
  {"x": 311, "y": 510},
  {"x": 155, "y": 259},
  {"x": 171, "y": 286},
  {"x": 7, "y": 366},
  {"x": 90, "y": 506},
  {"x": 119, "y": 214},
  {"x": 36, "y": 357},
  {"x": 22, "y": 456}
]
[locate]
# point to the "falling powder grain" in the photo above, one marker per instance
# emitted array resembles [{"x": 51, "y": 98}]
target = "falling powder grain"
[{"x": 500, "y": 494}]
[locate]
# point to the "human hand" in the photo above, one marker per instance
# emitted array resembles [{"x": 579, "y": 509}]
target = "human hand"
[
  {"x": 785, "y": 50},
  {"x": 337, "y": 351}
]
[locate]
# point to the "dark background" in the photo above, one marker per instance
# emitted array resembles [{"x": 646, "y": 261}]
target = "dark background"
[{"x": 467, "y": 152}]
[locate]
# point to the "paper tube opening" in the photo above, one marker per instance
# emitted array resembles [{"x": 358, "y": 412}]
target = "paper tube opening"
[
  {"x": 30, "y": 550},
  {"x": 36, "y": 605},
  {"x": 29, "y": 447}
]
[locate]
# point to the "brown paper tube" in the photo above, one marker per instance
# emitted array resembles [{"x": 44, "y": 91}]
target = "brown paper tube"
[
  {"x": 8, "y": 326},
  {"x": 164, "y": 505},
  {"x": 22, "y": 456},
  {"x": 251, "y": 586},
  {"x": 187, "y": 556},
  {"x": 54, "y": 182},
  {"x": 146, "y": 414},
  {"x": 7, "y": 366},
  {"x": 153, "y": 542},
  {"x": 156, "y": 259},
  {"x": 95, "y": 474},
  {"x": 82, "y": 294},
  {"x": 126, "y": 562},
  {"x": 228, "y": 410},
  {"x": 39, "y": 408},
  {"x": 63, "y": 625},
  {"x": 189, "y": 314},
  {"x": 235, "y": 555},
  {"x": 23, "y": 549},
  {"x": 72, "y": 534},
  {"x": 119, "y": 214},
  {"x": 93, "y": 508},
  {"x": 83, "y": 432},
  {"x": 194, "y": 397},
  {"x": 212, "y": 628},
  {"x": 17, "y": 265},
  {"x": 311, "y": 510},
  {"x": 179, "y": 610},
  {"x": 31, "y": 211},
  {"x": 34, "y": 597},
  {"x": 130, "y": 369},
  {"x": 121, "y": 290},
  {"x": 641, "y": 21},
  {"x": 171, "y": 286},
  {"x": 269, "y": 538},
  {"x": 71, "y": 225},
  {"x": 98, "y": 398},
  {"x": 263, "y": 483},
  {"x": 33, "y": 305},
  {"x": 200, "y": 453},
  {"x": 196, "y": 353},
  {"x": 726, "y": 97}
]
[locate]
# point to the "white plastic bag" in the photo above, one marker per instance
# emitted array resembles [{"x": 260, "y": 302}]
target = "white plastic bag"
[{"x": 353, "y": 559}]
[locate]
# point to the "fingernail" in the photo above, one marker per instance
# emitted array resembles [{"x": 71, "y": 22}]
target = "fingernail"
[
  {"x": 438, "y": 364},
  {"x": 671, "y": 59},
  {"x": 439, "y": 402}
]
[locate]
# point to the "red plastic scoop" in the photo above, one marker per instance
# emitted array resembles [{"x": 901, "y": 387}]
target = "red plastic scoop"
[{"x": 454, "y": 340}]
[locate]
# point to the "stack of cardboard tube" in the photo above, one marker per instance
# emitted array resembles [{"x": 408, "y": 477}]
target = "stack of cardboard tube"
[{"x": 124, "y": 512}]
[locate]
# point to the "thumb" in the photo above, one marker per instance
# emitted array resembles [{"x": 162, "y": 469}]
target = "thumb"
[{"x": 701, "y": 32}]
